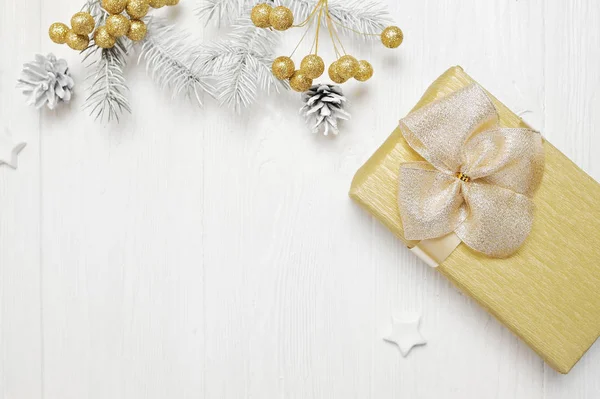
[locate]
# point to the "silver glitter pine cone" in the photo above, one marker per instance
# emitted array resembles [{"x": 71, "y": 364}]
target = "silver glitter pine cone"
[
  {"x": 323, "y": 106},
  {"x": 46, "y": 81}
]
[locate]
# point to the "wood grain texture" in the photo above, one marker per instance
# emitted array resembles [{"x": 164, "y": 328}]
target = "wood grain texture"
[
  {"x": 20, "y": 195},
  {"x": 188, "y": 253}
]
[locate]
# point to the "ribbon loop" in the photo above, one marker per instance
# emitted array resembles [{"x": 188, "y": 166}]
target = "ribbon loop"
[{"x": 478, "y": 180}]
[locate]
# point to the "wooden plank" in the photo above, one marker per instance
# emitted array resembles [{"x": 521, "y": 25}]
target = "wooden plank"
[
  {"x": 222, "y": 257},
  {"x": 123, "y": 244},
  {"x": 20, "y": 305}
]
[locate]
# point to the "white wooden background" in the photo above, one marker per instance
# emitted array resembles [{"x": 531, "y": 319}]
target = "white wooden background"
[{"x": 186, "y": 253}]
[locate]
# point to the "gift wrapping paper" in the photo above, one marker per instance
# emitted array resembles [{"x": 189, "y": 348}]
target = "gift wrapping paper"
[{"x": 548, "y": 293}]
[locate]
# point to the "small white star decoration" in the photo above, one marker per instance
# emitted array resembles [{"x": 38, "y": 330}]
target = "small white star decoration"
[
  {"x": 9, "y": 150},
  {"x": 405, "y": 333}
]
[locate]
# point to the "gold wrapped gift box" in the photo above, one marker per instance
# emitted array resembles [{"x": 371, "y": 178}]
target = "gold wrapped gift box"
[{"x": 548, "y": 293}]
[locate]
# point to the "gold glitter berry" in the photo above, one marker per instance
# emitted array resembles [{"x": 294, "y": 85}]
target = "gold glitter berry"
[
  {"x": 312, "y": 66},
  {"x": 392, "y": 37},
  {"x": 281, "y": 18},
  {"x": 300, "y": 82},
  {"x": 58, "y": 32},
  {"x": 137, "y": 31},
  {"x": 260, "y": 15},
  {"x": 283, "y": 67},
  {"x": 83, "y": 23},
  {"x": 365, "y": 71},
  {"x": 117, "y": 25}
]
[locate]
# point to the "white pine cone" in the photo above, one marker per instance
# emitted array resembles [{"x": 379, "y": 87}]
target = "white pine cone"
[
  {"x": 323, "y": 107},
  {"x": 46, "y": 81}
]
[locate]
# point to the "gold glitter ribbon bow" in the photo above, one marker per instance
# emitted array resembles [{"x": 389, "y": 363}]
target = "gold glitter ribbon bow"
[{"x": 478, "y": 180}]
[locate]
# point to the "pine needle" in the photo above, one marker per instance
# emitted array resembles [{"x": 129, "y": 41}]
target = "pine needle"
[
  {"x": 170, "y": 61},
  {"x": 221, "y": 10},
  {"x": 241, "y": 64},
  {"x": 107, "y": 99},
  {"x": 366, "y": 16}
]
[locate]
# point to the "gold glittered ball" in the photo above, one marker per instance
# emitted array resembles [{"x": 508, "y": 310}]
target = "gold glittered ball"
[
  {"x": 281, "y": 18},
  {"x": 172, "y": 2},
  {"x": 137, "y": 31},
  {"x": 334, "y": 75},
  {"x": 392, "y": 37},
  {"x": 312, "y": 66},
  {"x": 158, "y": 3},
  {"x": 58, "y": 32},
  {"x": 283, "y": 67},
  {"x": 117, "y": 25},
  {"x": 260, "y": 15},
  {"x": 114, "y": 6},
  {"x": 77, "y": 42},
  {"x": 137, "y": 9},
  {"x": 300, "y": 82},
  {"x": 83, "y": 23},
  {"x": 347, "y": 67},
  {"x": 104, "y": 39},
  {"x": 365, "y": 71}
]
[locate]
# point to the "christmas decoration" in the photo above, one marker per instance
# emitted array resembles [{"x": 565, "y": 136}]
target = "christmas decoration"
[
  {"x": 77, "y": 42},
  {"x": 519, "y": 290},
  {"x": 169, "y": 58},
  {"x": 9, "y": 149},
  {"x": 106, "y": 99},
  {"x": 107, "y": 28},
  {"x": 137, "y": 9},
  {"x": 261, "y": 15},
  {"x": 392, "y": 37},
  {"x": 103, "y": 39},
  {"x": 114, "y": 6},
  {"x": 58, "y": 32},
  {"x": 283, "y": 67},
  {"x": 137, "y": 31},
  {"x": 46, "y": 81},
  {"x": 405, "y": 333},
  {"x": 313, "y": 66},
  {"x": 240, "y": 64},
  {"x": 118, "y": 25},
  {"x": 158, "y": 3},
  {"x": 365, "y": 71},
  {"x": 240, "y": 61},
  {"x": 109, "y": 23},
  {"x": 82, "y": 23},
  {"x": 323, "y": 107},
  {"x": 281, "y": 18},
  {"x": 300, "y": 81},
  {"x": 334, "y": 74},
  {"x": 340, "y": 71}
]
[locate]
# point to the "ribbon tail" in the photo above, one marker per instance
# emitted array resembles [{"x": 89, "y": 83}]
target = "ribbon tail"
[{"x": 499, "y": 220}]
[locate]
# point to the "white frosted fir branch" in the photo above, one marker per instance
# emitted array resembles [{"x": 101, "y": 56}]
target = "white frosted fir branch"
[
  {"x": 170, "y": 61},
  {"x": 94, "y": 7},
  {"x": 240, "y": 64},
  {"x": 106, "y": 99},
  {"x": 220, "y": 10},
  {"x": 367, "y": 16}
]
